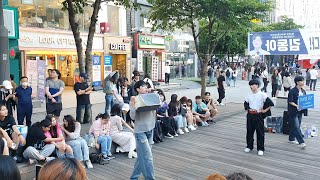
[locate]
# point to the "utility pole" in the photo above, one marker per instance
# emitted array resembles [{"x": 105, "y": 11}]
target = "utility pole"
[{"x": 4, "y": 48}]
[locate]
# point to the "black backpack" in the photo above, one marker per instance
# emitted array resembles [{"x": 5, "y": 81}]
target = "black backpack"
[
  {"x": 228, "y": 73},
  {"x": 97, "y": 158}
]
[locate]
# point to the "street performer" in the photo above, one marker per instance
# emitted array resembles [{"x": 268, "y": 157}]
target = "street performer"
[{"x": 258, "y": 106}]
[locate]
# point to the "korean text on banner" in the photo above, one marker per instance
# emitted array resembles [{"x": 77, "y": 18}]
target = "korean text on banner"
[
  {"x": 41, "y": 79},
  {"x": 96, "y": 71},
  {"x": 306, "y": 101},
  {"x": 107, "y": 65}
]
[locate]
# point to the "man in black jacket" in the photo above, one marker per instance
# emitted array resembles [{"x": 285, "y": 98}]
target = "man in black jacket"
[{"x": 258, "y": 106}]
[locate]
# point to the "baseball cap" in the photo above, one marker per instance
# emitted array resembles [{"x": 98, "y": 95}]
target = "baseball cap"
[
  {"x": 7, "y": 84},
  {"x": 84, "y": 75}
]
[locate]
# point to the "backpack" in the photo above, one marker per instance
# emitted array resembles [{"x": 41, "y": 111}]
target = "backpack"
[
  {"x": 228, "y": 73},
  {"x": 97, "y": 158},
  {"x": 210, "y": 71}
]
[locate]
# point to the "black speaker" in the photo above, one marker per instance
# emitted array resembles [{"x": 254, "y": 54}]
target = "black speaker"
[{"x": 286, "y": 125}]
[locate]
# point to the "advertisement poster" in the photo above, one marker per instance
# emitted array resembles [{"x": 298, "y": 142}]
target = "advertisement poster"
[
  {"x": 32, "y": 74},
  {"x": 287, "y": 42},
  {"x": 96, "y": 71},
  {"x": 41, "y": 79},
  {"x": 107, "y": 65}
]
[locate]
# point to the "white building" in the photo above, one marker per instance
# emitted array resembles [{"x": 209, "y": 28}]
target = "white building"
[{"x": 303, "y": 12}]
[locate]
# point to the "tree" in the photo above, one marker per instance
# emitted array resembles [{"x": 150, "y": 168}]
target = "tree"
[
  {"x": 216, "y": 18},
  {"x": 75, "y": 7}
]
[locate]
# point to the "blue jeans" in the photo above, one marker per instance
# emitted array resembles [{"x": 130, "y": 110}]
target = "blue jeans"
[
  {"x": 181, "y": 121},
  {"x": 144, "y": 162},
  {"x": 105, "y": 144},
  {"x": 80, "y": 149},
  {"x": 295, "y": 132},
  {"x": 109, "y": 103},
  {"x": 84, "y": 113}
]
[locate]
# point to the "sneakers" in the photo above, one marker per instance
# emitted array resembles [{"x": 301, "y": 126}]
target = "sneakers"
[
  {"x": 203, "y": 124},
  {"x": 186, "y": 130},
  {"x": 293, "y": 142},
  {"x": 32, "y": 161},
  {"x": 89, "y": 164},
  {"x": 111, "y": 156},
  {"x": 192, "y": 128},
  {"x": 48, "y": 159},
  {"x": 169, "y": 136},
  {"x": 179, "y": 131},
  {"x": 260, "y": 153},
  {"x": 176, "y": 135},
  {"x": 132, "y": 154},
  {"x": 105, "y": 157},
  {"x": 206, "y": 123},
  {"x": 247, "y": 150},
  {"x": 303, "y": 145}
]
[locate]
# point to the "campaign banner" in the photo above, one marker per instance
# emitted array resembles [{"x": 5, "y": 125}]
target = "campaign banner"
[
  {"x": 41, "y": 79},
  {"x": 32, "y": 74},
  {"x": 306, "y": 101},
  {"x": 286, "y": 42},
  {"x": 107, "y": 65},
  {"x": 96, "y": 71}
]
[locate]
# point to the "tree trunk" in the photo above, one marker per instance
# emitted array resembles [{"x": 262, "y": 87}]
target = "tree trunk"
[
  {"x": 204, "y": 66},
  {"x": 76, "y": 34},
  {"x": 92, "y": 29}
]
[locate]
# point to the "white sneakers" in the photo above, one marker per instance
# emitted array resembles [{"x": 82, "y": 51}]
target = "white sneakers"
[
  {"x": 260, "y": 153},
  {"x": 132, "y": 154},
  {"x": 293, "y": 142},
  {"x": 192, "y": 128},
  {"x": 303, "y": 145},
  {"x": 186, "y": 130},
  {"x": 89, "y": 164},
  {"x": 179, "y": 131}
]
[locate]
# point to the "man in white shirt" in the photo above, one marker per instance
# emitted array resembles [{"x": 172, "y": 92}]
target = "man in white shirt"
[
  {"x": 167, "y": 73},
  {"x": 265, "y": 76},
  {"x": 313, "y": 78}
]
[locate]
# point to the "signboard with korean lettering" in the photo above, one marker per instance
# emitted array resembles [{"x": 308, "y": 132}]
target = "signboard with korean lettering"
[
  {"x": 287, "y": 42},
  {"x": 306, "y": 101},
  {"x": 96, "y": 71},
  {"x": 107, "y": 65},
  {"x": 151, "y": 42}
]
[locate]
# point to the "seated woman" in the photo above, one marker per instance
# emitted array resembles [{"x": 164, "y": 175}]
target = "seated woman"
[
  {"x": 192, "y": 123},
  {"x": 71, "y": 130},
  {"x": 101, "y": 131},
  {"x": 55, "y": 136},
  {"x": 9, "y": 130},
  {"x": 169, "y": 126},
  {"x": 208, "y": 100},
  {"x": 125, "y": 140},
  {"x": 176, "y": 110}
]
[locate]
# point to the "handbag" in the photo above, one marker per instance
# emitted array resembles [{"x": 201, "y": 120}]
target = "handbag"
[{"x": 98, "y": 158}]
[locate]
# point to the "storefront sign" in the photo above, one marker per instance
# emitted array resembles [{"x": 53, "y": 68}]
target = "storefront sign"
[
  {"x": 96, "y": 71},
  {"x": 151, "y": 42},
  {"x": 140, "y": 60},
  {"x": 49, "y": 40},
  {"x": 107, "y": 65},
  {"x": 41, "y": 79},
  {"x": 115, "y": 46},
  {"x": 11, "y": 22}
]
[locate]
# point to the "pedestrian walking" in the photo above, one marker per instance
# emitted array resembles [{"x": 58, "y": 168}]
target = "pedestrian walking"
[
  {"x": 308, "y": 76},
  {"x": 82, "y": 90},
  {"x": 265, "y": 79},
  {"x": 258, "y": 106},
  {"x": 167, "y": 73},
  {"x": 210, "y": 74},
  {"x": 108, "y": 89},
  {"x": 228, "y": 75},
  {"x": 54, "y": 90},
  {"x": 24, "y": 102},
  {"x": 295, "y": 113},
  {"x": 313, "y": 78},
  {"x": 234, "y": 76},
  {"x": 274, "y": 82},
  {"x": 143, "y": 132},
  {"x": 221, "y": 89}
]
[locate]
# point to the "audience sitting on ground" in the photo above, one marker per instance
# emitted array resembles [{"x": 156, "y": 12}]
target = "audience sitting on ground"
[
  {"x": 178, "y": 113},
  {"x": 125, "y": 140},
  {"x": 201, "y": 111},
  {"x": 10, "y": 131},
  {"x": 71, "y": 131},
  {"x": 238, "y": 175},
  {"x": 36, "y": 147},
  {"x": 188, "y": 114},
  {"x": 8, "y": 168},
  {"x": 216, "y": 177},
  {"x": 101, "y": 131},
  {"x": 55, "y": 136},
  {"x": 4, "y": 150},
  {"x": 169, "y": 125},
  {"x": 63, "y": 169},
  {"x": 210, "y": 102}
]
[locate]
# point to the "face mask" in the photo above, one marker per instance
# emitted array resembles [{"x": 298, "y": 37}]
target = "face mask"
[{"x": 24, "y": 84}]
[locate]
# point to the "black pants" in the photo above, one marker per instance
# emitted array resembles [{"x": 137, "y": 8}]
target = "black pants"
[
  {"x": 255, "y": 123},
  {"x": 265, "y": 85},
  {"x": 274, "y": 90},
  {"x": 157, "y": 132},
  {"x": 169, "y": 125},
  {"x": 221, "y": 93},
  {"x": 313, "y": 82},
  {"x": 167, "y": 78}
]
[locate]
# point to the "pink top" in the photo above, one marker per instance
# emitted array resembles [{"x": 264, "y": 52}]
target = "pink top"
[
  {"x": 99, "y": 129},
  {"x": 59, "y": 132}
]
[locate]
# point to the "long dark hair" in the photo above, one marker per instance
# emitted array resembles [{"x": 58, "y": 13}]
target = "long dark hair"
[
  {"x": 53, "y": 129},
  {"x": 116, "y": 110},
  {"x": 103, "y": 116},
  {"x": 8, "y": 168},
  {"x": 174, "y": 100},
  {"x": 71, "y": 123}
]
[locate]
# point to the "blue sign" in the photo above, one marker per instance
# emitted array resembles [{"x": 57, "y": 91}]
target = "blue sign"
[
  {"x": 96, "y": 71},
  {"x": 287, "y": 42},
  {"x": 306, "y": 101},
  {"x": 108, "y": 60}
]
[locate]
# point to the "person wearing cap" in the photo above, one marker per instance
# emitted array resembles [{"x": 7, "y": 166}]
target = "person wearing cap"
[
  {"x": 7, "y": 97},
  {"x": 23, "y": 97},
  {"x": 54, "y": 90},
  {"x": 258, "y": 106},
  {"x": 82, "y": 90},
  {"x": 295, "y": 114}
]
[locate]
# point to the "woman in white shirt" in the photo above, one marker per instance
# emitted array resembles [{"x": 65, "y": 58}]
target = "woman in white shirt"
[{"x": 287, "y": 83}]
